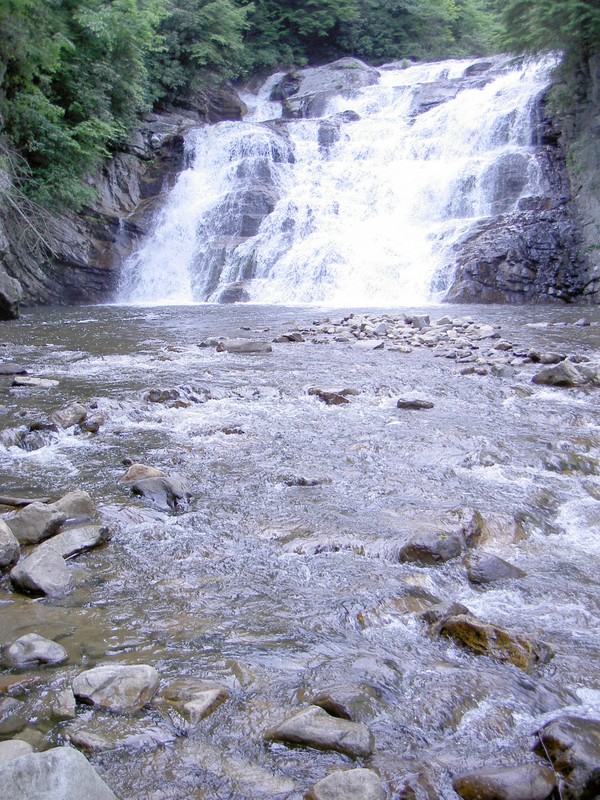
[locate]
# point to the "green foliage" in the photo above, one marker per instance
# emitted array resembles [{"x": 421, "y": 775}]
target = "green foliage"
[{"x": 569, "y": 25}]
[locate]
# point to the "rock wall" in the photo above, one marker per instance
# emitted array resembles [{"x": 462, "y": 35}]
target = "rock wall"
[{"x": 74, "y": 258}]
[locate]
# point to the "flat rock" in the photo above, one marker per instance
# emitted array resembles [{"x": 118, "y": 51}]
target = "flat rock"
[
  {"x": 413, "y": 404},
  {"x": 31, "y": 650},
  {"x": 486, "y": 568},
  {"x": 371, "y": 344},
  {"x": 9, "y": 546},
  {"x": 522, "y": 782},
  {"x": 430, "y": 548},
  {"x": 351, "y": 784},
  {"x": 117, "y": 687},
  {"x": 485, "y": 639},
  {"x": 138, "y": 472},
  {"x": 247, "y": 346},
  {"x": 564, "y": 374},
  {"x": 76, "y": 540},
  {"x": 188, "y": 700},
  {"x": 314, "y": 727},
  {"x": 572, "y": 745},
  {"x": 58, "y": 774},
  {"x": 42, "y": 573},
  {"x": 8, "y": 368},
  {"x": 35, "y": 522},
  {"x": 13, "y": 748},
  {"x": 75, "y": 505},
  {"x": 34, "y": 383}
]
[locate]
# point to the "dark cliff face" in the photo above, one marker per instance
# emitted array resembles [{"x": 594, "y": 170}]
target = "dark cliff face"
[{"x": 75, "y": 258}]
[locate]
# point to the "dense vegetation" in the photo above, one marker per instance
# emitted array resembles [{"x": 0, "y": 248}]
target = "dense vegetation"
[{"x": 76, "y": 74}]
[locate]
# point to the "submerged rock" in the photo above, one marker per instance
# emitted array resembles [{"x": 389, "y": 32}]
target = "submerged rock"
[
  {"x": 58, "y": 774},
  {"x": 523, "y": 782},
  {"x": 13, "y": 717},
  {"x": 572, "y": 745},
  {"x": 32, "y": 650},
  {"x": 483, "y": 638},
  {"x": 351, "y": 784},
  {"x": 189, "y": 700},
  {"x": 314, "y": 727},
  {"x": 117, "y": 687}
]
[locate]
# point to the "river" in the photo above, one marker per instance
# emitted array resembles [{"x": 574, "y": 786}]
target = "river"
[{"x": 282, "y": 577}]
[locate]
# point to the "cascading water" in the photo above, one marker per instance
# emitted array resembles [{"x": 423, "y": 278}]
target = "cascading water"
[{"x": 362, "y": 206}]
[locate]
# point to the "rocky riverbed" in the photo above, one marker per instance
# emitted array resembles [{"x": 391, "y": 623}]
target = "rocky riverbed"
[{"x": 282, "y": 553}]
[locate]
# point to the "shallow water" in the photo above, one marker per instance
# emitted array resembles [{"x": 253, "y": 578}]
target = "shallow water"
[{"x": 281, "y": 590}]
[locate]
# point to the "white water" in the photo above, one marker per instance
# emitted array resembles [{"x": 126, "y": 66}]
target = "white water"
[{"x": 371, "y": 220}]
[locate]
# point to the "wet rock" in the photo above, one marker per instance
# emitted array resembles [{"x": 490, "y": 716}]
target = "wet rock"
[
  {"x": 42, "y": 573},
  {"x": 71, "y": 415},
  {"x": 430, "y": 548},
  {"x": 104, "y": 738},
  {"x": 352, "y": 784},
  {"x": 35, "y": 522},
  {"x": 63, "y": 705},
  {"x": 572, "y": 745},
  {"x": 138, "y": 472},
  {"x": 522, "y": 782},
  {"x": 32, "y": 650},
  {"x": 564, "y": 374},
  {"x": 189, "y": 700},
  {"x": 77, "y": 505},
  {"x": 34, "y": 383},
  {"x": 440, "y": 612},
  {"x": 73, "y": 541},
  {"x": 13, "y": 748},
  {"x": 13, "y": 716},
  {"x": 490, "y": 640},
  {"x": 234, "y": 293},
  {"x": 9, "y": 546},
  {"x": 57, "y": 774},
  {"x": 168, "y": 494},
  {"x": 413, "y": 404},
  {"x": 331, "y": 397},
  {"x": 116, "y": 687},
  {"x": 354, "y": 703},
  {"x": 316, "y": 728},
  {"x": 7, "y": 368},
  {"x": 496, "y": 529},
  {"x": 247, "y": 346},
  {"x": 10, "y": 296},
  {"x": 486, "y": 568}
]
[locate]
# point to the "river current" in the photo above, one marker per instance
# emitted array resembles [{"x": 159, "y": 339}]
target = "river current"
[{"x": 282, "y": 577}]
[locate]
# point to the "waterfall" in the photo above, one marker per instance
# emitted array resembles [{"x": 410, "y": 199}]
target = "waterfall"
[{"x": 361, "y": 206}]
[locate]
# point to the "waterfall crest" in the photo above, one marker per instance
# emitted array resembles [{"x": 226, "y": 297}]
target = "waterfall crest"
[{"x": 360, "y": 206}]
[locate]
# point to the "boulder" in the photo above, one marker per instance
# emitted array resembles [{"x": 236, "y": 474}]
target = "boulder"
[
  {"x": 71, "y": 415},
  {"x": 13, "y": 716},
  {"x": 42, "y": 572},
  {"x": 61, "y": 773},
  {"x": 168, "y": 493},
  {"x": 413, "y": 404},
  {"x": 572, "y": 745},
  {"x": 486, "y": 568},
  {"x": 73, "y": 541},
  {"x": 330, "y": 397},
  {"x": 63, "y": 705},
  {"x": 351, "y": 784},
  {"x": 117, "y": 687},
  {"x": 31, "y": 650},
  {"x": 10, "y": 296},
  {"x": 430, "y": 548},
  {"x": 522, "y": 782},
  {"x": 9, "y": 546},
  {"x": 245, "y": 346},
  {"x": 564, "y": 374},
  {"x": 75, "y": 505},
  {"x": 483, "y": 638},
  {"x": 188, "y": 700},
  {"x": 234, "y": 293},
  {"x": 35, "y": 522},
  {"x": 347, "y": 702},
  {"x": 314, "y": 727},
  {"x": 13, "y": 748},
  {"x": 138, "y": 472}
]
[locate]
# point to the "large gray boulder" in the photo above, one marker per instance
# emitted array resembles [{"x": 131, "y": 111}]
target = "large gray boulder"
[
  {"x": 35, "y": 522},
  {"x": 76, "y": 540},
  {"x": 43, "y": 572},
  {"x": 117, "y": 687},
  {"x": 168, "y": 494},
  {"x": 9, "y": 546},
  {"x": 75, "y": 505},
  {"x": 572, "y": 745},
  {"x": 316, "y": 728},
  {"x": 351, "y": 784},
  {"x": 10, "y": 296},
  {"x": 564, "y": 374},
  {"x": 13, "y": 748},
  {"x": 58, "y": 774},
  {"x": 522, "y": 782},
  {"x": 32, "y": 650}
]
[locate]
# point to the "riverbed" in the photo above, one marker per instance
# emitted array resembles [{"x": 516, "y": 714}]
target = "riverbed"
[{"x": 282, "y": 578}]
